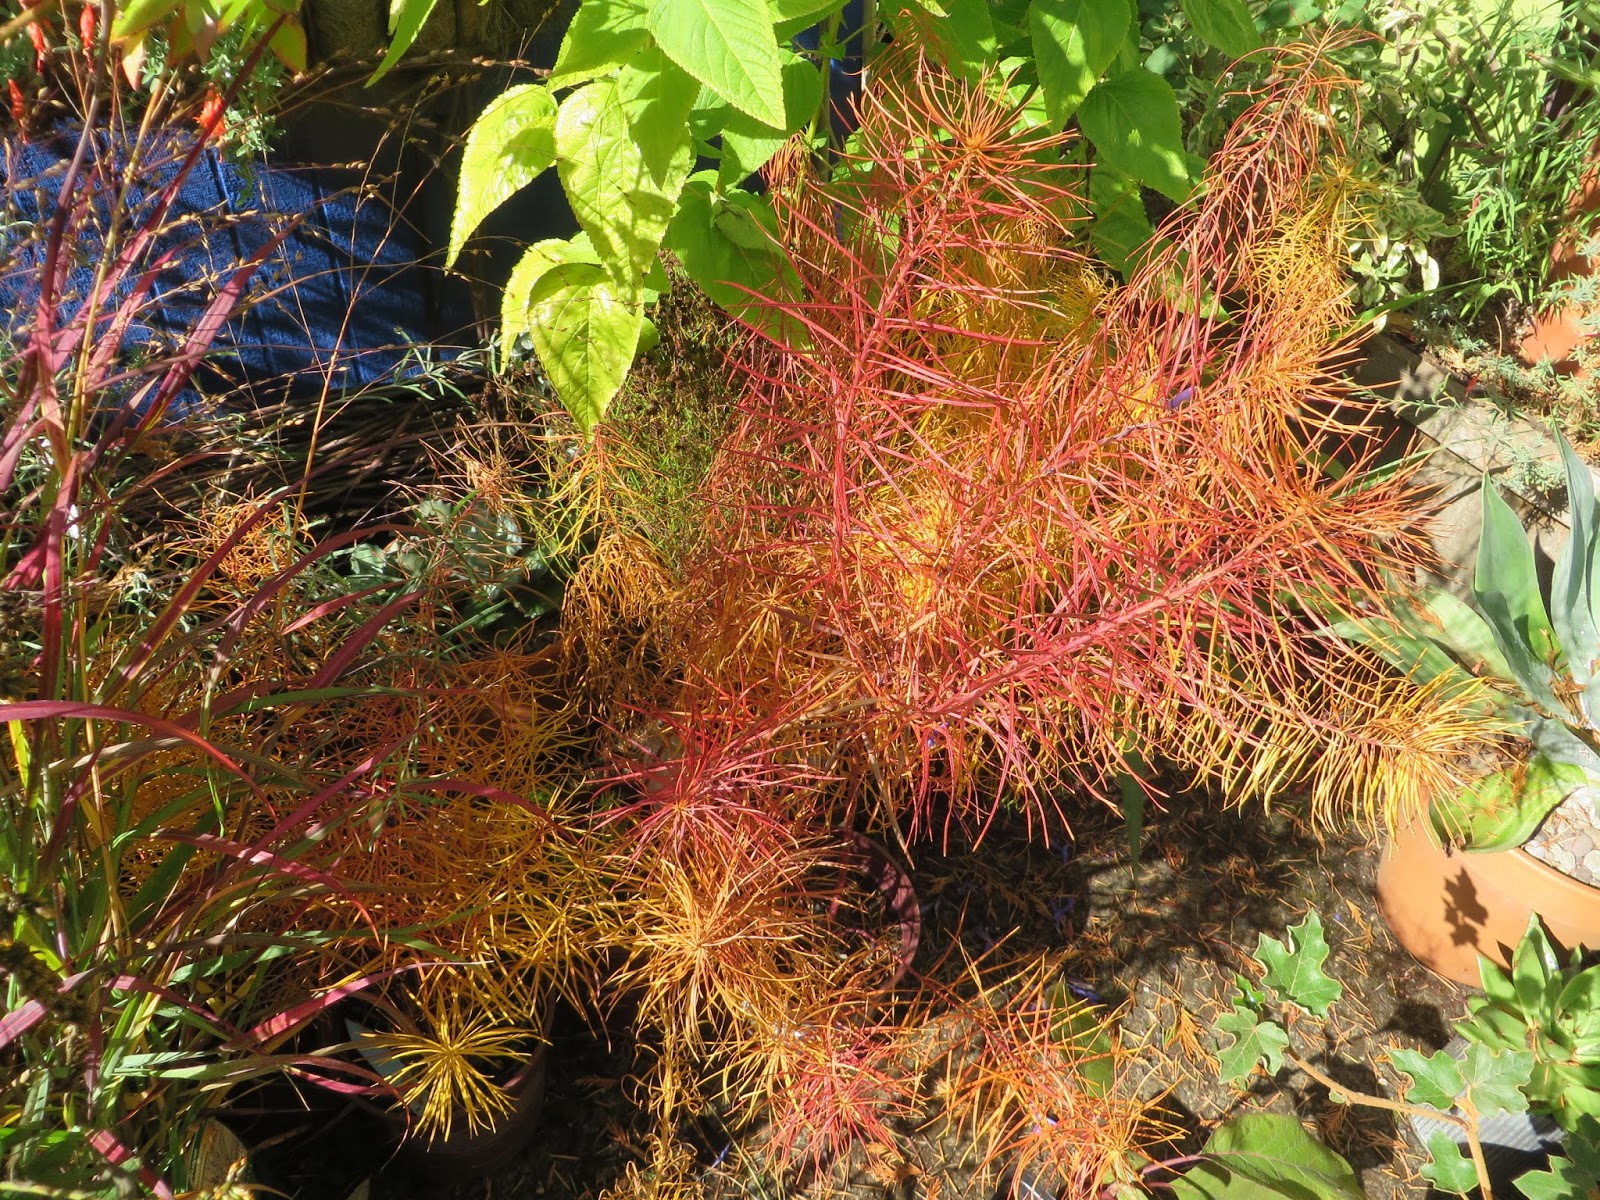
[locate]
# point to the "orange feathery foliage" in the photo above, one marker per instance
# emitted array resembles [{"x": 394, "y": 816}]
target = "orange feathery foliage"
[{"x": 989, "y": 518}]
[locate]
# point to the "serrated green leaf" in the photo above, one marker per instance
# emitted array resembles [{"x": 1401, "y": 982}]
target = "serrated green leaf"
[
  {"x": 1121, "y": 232},
  {"x": 1577, "y": 572},
  {"x": 1267, "y": 1156},
  {"x": 727, "y": 243},
  {"x": 511, "y": 142},
  {"x": 585, "y": 332},
  {"x": 747, "y": 145},
  {"x": 1494, "y": 1079},
  {"x": 1255, "y": 1042},
  {"x": 1074, "y": 41},
  {"x": 1448, "y": 1169},
  {"x": 1294, "y": 968},
  {"x": 516, "y": 302},
  {"x": 656, "y": 94},
  {"x": 603, "y": 35},
  {"x": 1436, "y": 1078},
  {"x": 962, "y": 39},
  {"x": 1132, "y": 119},
  {"x": 1505, "y": 589},
  {"x": 406, "y": 19},
  {"x": 622, "y": 193},
  {"x": 1225, "y": 24},
  {"x": 729, "y": 46}
]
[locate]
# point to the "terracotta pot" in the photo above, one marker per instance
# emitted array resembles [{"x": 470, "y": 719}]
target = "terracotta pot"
[
  {"x": 1556, "y": 334},
  {"x": 1449, "y": 906}
]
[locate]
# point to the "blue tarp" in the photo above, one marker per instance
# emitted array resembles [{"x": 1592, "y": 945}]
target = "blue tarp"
[{"x": 346, "y": 301}]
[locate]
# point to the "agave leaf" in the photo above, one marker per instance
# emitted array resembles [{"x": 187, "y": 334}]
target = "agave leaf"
[
  {"x": 1408, "y": 650},
  {"x": 1556, "y": 740},
  {"x": 1501, "y": 811},
  {"x": 1451, "y": 622},
  {"x": 1572, "y": 587},
  {"x": 1506, "y": 587}
]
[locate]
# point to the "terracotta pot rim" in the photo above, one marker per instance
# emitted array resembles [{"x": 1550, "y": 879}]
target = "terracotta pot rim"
[{"x": 1507, "y": 868}]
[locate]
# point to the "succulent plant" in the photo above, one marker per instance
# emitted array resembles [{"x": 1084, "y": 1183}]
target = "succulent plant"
[{"x": 1532, "y": 663}]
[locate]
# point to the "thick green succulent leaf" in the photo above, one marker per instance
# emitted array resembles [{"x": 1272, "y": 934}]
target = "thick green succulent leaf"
[
  {"x": 1506, "y": 589},
  {"x": 1074, "y": 41},
  {"x": 1132, "y": 118},
  {"x": 1267, "y": 1156},
  {"x": 1556, "y": 740},
  {"x": 511, "y": 142},
  {"x": 624, "y": 192},
  {"x": 1502, "y": 810},
  {"x": 729, "y": 46},
  {"x": 1452, "y": 623},
  {"x": 1572, "y": 587},
  {"x": 603, "y": 35},
  {"x": 1255, "y": 1043},
  {"x": 1536, "y": 974},
  {"x": 1578, "y": 1009},
  {"x": 1294, "y": 966}
]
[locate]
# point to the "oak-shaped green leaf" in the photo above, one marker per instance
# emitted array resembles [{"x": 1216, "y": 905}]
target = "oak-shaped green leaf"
[
  {"x": 623, "y": 194},
  {"x": 1564, "y": 1180},
  {"x": 406, "y": 19},
  {"x": 729, "y": 46},
  {"x": 1132, "y": 119},
  {"x": 1448, "y": 1169},
  {"x": 1294, "y": 968},
  {"x": 1255, "y": 1042},
  {"x": 1074, "y": 42},
  {"x": 1435, "y": 1079},
  {"x": 1495, "y": 1078},
  {"x": 510, "y": 143},
  {"x": 1267, "y": 1156},
  {"x": 603, "y": 35},
  {"x": 1225, "y": 24},
  {"x": 584, "y": 330}
]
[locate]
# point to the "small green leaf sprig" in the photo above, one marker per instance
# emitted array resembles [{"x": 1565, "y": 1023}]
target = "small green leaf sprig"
[{"x": 1534, "y": 1044}]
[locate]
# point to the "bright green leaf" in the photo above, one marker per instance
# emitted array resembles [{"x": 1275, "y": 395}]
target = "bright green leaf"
[
  {"x": 1436, "y": 1078},
  {"x": 1449, "y": 1170},
  {"x": 1267, "y": 1156},
  {"x": 622, "y": 195},
  {"x": 1255, "y": 1042},
  {"x": 1564, "y": 1180},
  {"x": 747, "y": 145},
  {"x": 1501, "y": 811},
  {"x": 603, "y": 35},
  {"x": 727, "y": 243},
  {"x": 1074, "y": 42},
  {"x": 584, "y": 330},
  {"x": 1294, "y": 969},
  {"x": 138, "y": 16},
  {"x": 406, "y": 19},
  {"x": 288, "y": 43},
  {"x": 1132, "y": 119},
  {"x": 1121, "y": 230},
  {"x": 511, "y": 143},
  {"x": 1225, "y": 24},
  {"x": 656, "y": 96},
  {"x": 536, "y": 261},
  {"x": 1495, "y": 1078},
  {"x": 729, "y": 46},
  {"x": 963, "y": 39}
]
